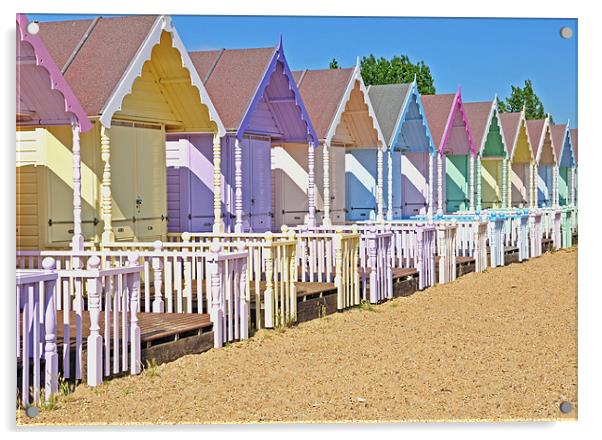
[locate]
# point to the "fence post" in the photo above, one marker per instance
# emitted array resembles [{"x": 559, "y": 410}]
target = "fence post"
[
  {"x": 420, "y": 257},
  {"x": 217, "y": 311},
  {"x": 338, "y": 277},
  {"x": 371, "y": 242},
  {"x": 244, "y": 305},
  {"x": 389, "y": 260},
  {"x": 50, "y": 350},
  {"x": 293, "y": 274},
  {"x": 133, "y": 285},
  {"x": 94, "y": 288},
  {"x": 268, "y": 295},
  {"x": 157, "y": 265}
]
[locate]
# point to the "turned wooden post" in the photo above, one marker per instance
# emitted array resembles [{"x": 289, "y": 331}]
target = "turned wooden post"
[
  {"x": 371, "y": 248},
  {"x": 390, "y": 184},
  {"x": 479, "y": 189},
  {"x": 218, "y": 222},
  {"x": 471, "y": 183},
  {"x": 420, "y": 257},
  {"x": 311, "y": 185},
  {"x": 157, "y": 265},
  {"x": 133, "y": 285},
  {"x": 244, "y": 302},
  {"x": 50, "y": 348},
  {"x": 505, "y": 204},
  {"x": 440, "y": 159},
  {"x": 107, "y": 208},
  {"x": 217, "y": 310},
  {"x": 338, "y": 278},
  {"x": 238, "y": 227},
  {"x": 379, "y": 186},
  {"x": 326, "y": 221},
  {"x": 77, "y": 242},
  {"x": 430, "y": 202},
  {"x": 268, "y": 295},
  {"x": 94, "y": 290}
]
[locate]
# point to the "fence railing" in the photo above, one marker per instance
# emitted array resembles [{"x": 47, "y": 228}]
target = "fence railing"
[
  {"x": 83, "y": 285},
  {"x": 566, "y": 226},
  {"x": 326, "y": 256},
  {"x": 446, "y": 250},
  {"x": 551, "y": 229},
  {"x": 36, "y": 331},
  {"x": 271, "y": 269}
]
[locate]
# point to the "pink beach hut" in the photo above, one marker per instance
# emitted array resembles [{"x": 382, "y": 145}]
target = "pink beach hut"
[
  {"x": 450, "y": 128},
  {"x": 44, "y": 100},
  {"x": 257, "y": 99}
]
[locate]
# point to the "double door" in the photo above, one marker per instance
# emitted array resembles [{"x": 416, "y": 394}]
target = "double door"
[{"x": 138, "y": 174}]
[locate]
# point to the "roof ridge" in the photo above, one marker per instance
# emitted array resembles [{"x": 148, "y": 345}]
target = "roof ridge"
[{"x": 80, "y": 44}]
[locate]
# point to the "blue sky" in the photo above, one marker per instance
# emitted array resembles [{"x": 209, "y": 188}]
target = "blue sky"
[{"x": 483, "y": 56}]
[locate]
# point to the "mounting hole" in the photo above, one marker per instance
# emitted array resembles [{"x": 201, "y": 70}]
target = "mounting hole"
[
  {"x": 566, "y": 407},
  {"x": 33, "y": 27},
  {"x": 32, "y": 412},
  {"x": 566, "y": 32}
]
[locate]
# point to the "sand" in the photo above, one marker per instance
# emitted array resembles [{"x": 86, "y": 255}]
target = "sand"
[{"x": 500, "y": 345}]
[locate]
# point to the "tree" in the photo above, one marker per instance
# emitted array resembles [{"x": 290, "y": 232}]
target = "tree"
[
  {"x": 523, "y": 96},
  {"x": 398, "y": 69}
]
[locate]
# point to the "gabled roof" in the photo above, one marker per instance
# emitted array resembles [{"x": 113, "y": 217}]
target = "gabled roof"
[
  {"x": 479, "y": 115},
  {"x": 43, "y": 95},
  {"x": 559, "y": 137},
  {"x": 510, "y": 123},
  {"x": 535, "y": 127},
  {"x": 575, "y": 144},
  {"x": 102, "y": 57},
  {"x": 322, "y": 92},
  {"x": 437, "y": 109},
  {"x": 388, "y": 101},
  {"x": 236, "y": 80}
]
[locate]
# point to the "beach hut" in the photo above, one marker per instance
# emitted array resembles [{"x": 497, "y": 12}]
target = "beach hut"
[
  {"x": 491, "y": 166},
  {"x": 44, "y": 99},
  {"x": 449, "y": 126},
  {"x": 411, "y": 152},
  {"x": 351, "y": 148},
  {"x": 565, "y": 170},
  {"x": 545, "y": 161},
  {"x": 267, "y": 128},
  {"x": 136, "y": 82},
  {"x": 521, "y": 180}
]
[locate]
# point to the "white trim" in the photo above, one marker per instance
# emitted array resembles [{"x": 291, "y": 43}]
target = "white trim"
[
  {"x": 134, "y": 70},
  {"x": 355, "y": 76}
]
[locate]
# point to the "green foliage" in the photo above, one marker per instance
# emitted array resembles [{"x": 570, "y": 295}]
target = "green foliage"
[
  {"x": 150, "y": 368},
  {"x": 523, "y": 96},
  {"x": 398, "y": 69}
]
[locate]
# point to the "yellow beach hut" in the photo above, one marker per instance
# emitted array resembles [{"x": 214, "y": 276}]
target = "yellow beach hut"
[
  {"x": 522, "y": 168},
  {"x": 136, "y": 82}
]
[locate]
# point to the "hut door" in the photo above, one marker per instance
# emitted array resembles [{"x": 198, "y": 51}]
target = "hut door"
[
  {"x": 260, "y": 184},
  {"x": 414, "y": 169},
  {"x": 150, "y": 195},
  {"x": 200, "y": 193},
  {"x": 337, "y": 184},
  {"x": 123, "y": 178},
  {"x": 544, "y": 185},
  {"x": 456, "y": 182},
  {"x": 361, "y": 178}
]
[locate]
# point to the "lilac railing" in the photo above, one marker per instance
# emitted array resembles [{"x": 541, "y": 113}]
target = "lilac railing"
[
  {"x": 84, "y": 286},
  {"x": 36, "y": 330}
]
